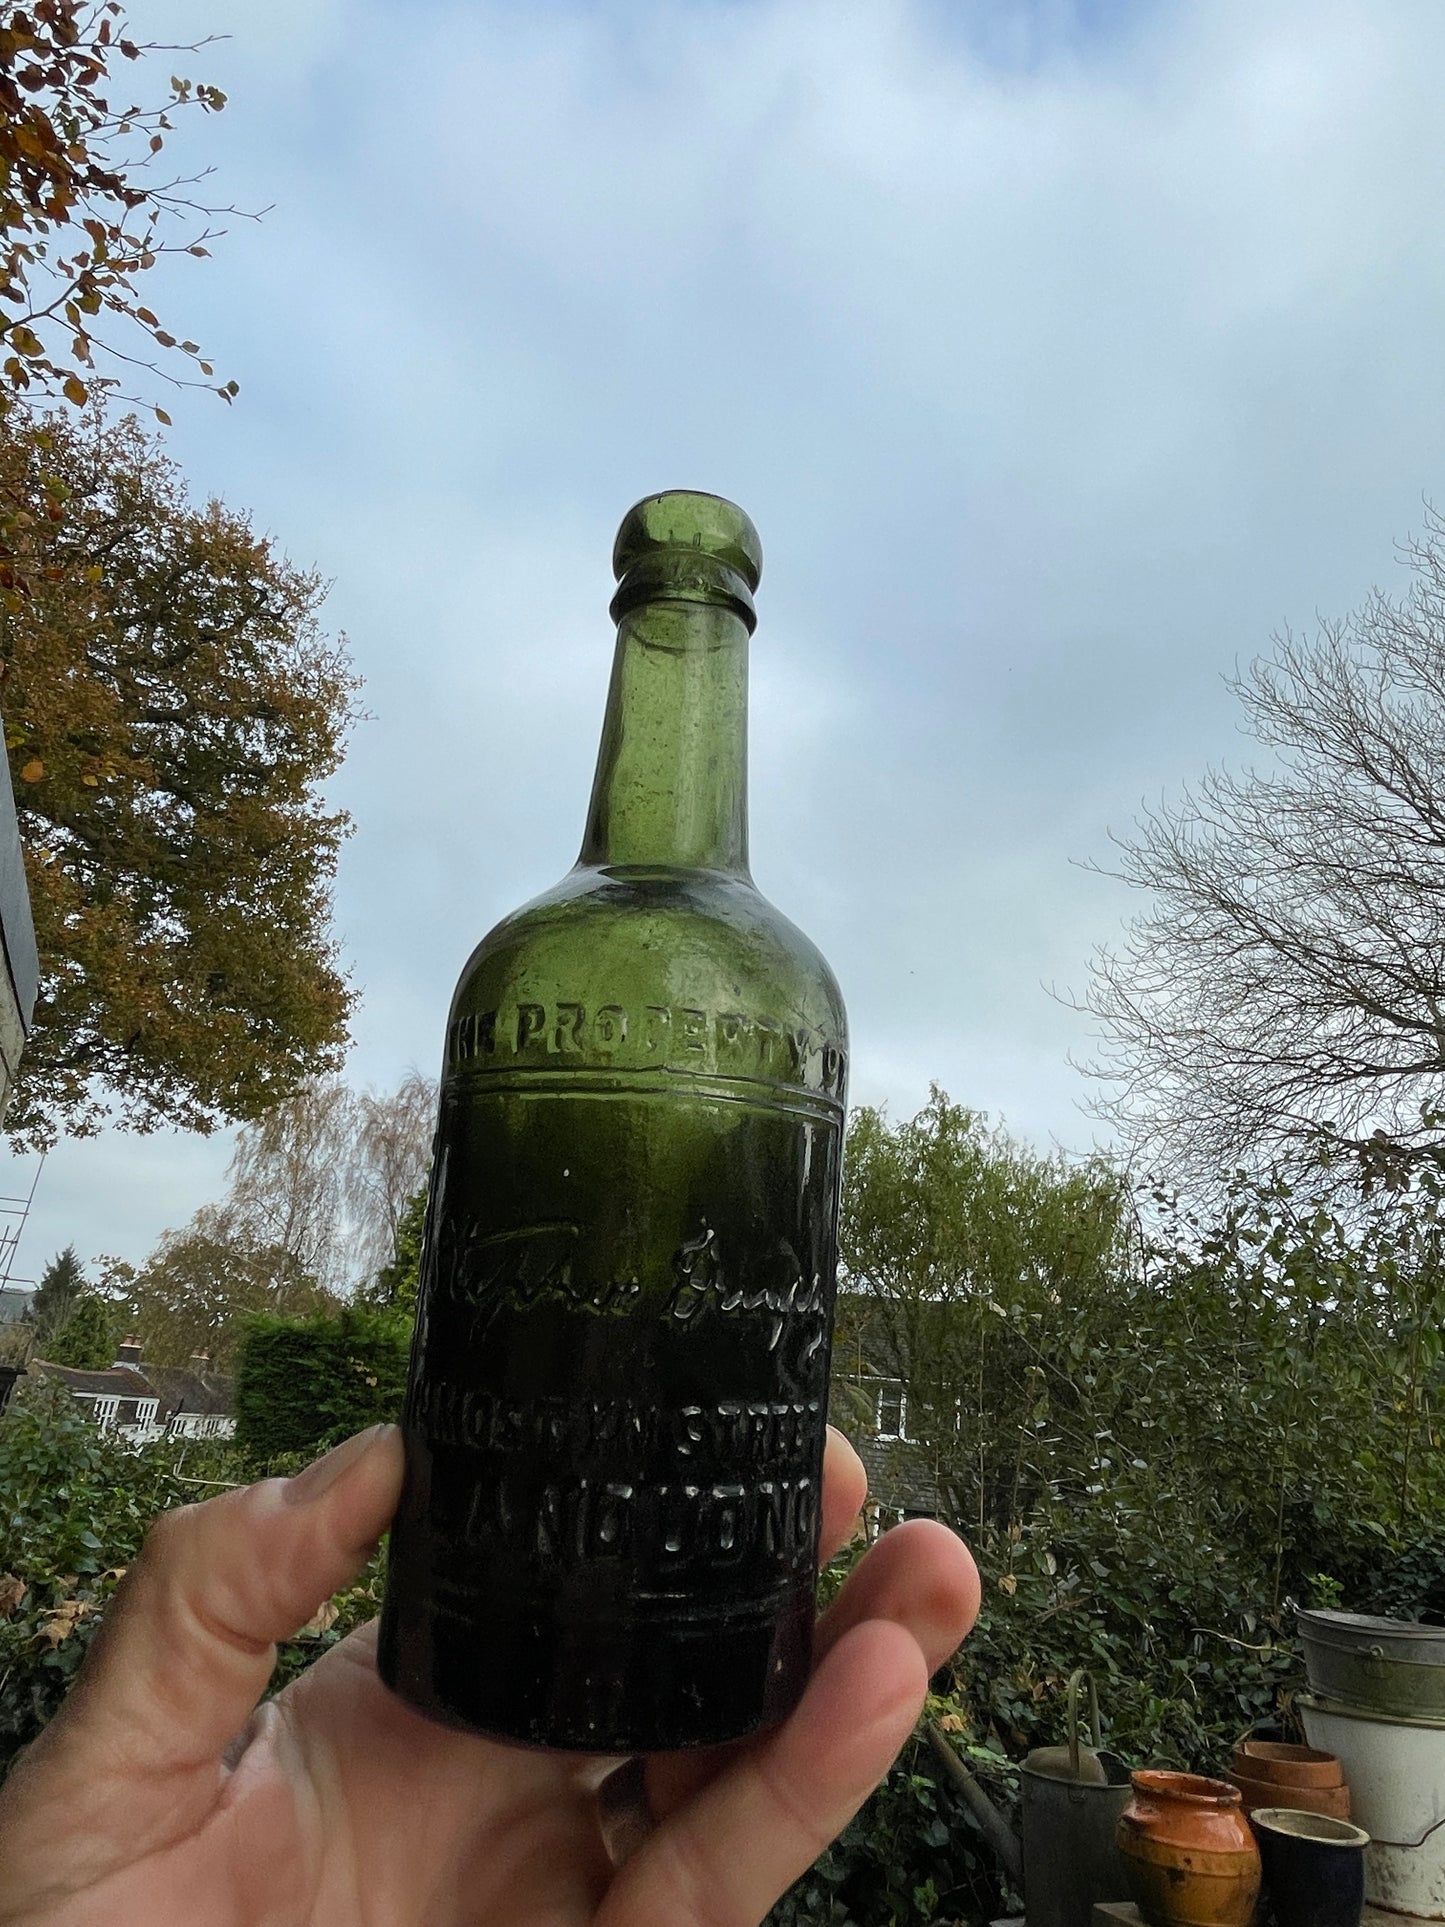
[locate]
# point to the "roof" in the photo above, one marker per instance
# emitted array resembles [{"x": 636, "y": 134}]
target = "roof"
[
  {"x": 117, "y": 1381},
  {"x": 183, "y": 1390}
]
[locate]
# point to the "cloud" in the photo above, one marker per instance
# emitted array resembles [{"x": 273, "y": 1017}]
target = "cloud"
[{"x": 1057, "y": 367}]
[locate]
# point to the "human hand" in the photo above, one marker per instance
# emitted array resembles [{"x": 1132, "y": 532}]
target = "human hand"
[{"x": 161, "y": 1795}]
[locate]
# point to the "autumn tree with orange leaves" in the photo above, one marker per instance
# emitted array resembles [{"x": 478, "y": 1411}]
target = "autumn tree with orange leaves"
[
  {"x": 172, "y": 707},
  {"x": 87, "y": 206}
]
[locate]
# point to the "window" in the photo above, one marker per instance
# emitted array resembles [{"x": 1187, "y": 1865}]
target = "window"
[
  {"x": 105, "y": 1410},
  {"x": 890, "y": 1410}
]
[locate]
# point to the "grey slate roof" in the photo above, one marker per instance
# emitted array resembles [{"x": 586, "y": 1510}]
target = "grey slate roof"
[{"x": 182, "y": 1390}]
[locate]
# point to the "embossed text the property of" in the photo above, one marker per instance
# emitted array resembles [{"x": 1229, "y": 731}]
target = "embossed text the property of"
[{"x": 725, "y": 1043}]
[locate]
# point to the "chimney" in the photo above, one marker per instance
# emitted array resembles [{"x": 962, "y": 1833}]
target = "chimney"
[
  {"x": 200, "y": 1363},
  {"x": 129, "y": 1353}
]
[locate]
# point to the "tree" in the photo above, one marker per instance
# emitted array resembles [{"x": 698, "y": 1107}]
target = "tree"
[
  {"x": 1285, "y": 990},
  {"x": 197, "y": 1288},
  {"x": 964, "y": 1256},
  {"x": 306, "y": 1205},
  {"x": 290, "y": 1181},
  {"x": 87, "y": 1339},
  {"x": 328, "y": 1175},
  {"x": 171, "y": 710},
  {"x": 399, "y": 1280},
  {"x": 82, "y": 211},
  {"x": 61, "y": 1284},
  {"x": 390, "y": 1160}
]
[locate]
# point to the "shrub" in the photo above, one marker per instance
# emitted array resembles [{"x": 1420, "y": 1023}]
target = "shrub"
[
  {"x": 75, "y": 1503},
  {"x": 74, "y": 1506},
  {"x": 303, "y": 1384}
]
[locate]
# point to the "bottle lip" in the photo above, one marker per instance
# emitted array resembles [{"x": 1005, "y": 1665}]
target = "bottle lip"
[
  {"x": 691, "y": 521},
  {"x": 684, "y": 575}
]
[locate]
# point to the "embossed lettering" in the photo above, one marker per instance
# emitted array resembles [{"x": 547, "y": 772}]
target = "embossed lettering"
[
  {"x": 531, "y": 1022},
  {"x": 609, "y": 1029},
  {"x": 728, "y": 1042},
  {"x": 515, "y": 1269},
  {"x": 732, "y": 1027},
  {"x": 659, "y": 1025},
  {"x": 761, "y": 1436},
  {"x": 771, "y": 1282},
  {"x": 567, "y": 1032}
]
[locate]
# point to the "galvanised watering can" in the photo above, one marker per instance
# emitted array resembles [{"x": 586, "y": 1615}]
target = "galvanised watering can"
[{"x": 1072, "y": 1797}]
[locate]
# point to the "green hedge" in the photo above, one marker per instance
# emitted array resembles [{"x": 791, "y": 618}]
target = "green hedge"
[{"x": 303, "y": 1384}]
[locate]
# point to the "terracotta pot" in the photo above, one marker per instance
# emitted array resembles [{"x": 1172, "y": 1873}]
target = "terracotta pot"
[
  {"x": 1189, "y": 1852},
  {"x": 1333, "y": 1801},
  {"x": 1291, "y": 1766}
]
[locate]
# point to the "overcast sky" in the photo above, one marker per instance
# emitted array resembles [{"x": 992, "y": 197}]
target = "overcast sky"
[{"x": 1060, "y": 352}]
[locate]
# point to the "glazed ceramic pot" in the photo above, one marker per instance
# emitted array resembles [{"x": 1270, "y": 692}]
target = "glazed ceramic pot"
[
  {"x": 1188, "y": 1850},
  {"x": 1291, "y": 1766},
  {"x": 1314, "y": 1867}
]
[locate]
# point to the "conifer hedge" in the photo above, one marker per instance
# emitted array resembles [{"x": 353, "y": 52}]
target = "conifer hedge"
[{"x": 303, "y": 1384}]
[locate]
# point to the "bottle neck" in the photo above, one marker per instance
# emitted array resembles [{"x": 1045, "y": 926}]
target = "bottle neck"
[{"x": 671, "y": 789}]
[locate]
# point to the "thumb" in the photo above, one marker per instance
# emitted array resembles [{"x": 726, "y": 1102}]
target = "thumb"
[{"x": 133, "y": 1759}]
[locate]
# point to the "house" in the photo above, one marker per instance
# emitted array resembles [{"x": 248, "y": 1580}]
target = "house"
[
  {"x": 120, "y": 1396},
  {"x": 197, "y": 1402},
  {"x": 145, "y": 1402},
  {"x": 871, "y": 1409}
]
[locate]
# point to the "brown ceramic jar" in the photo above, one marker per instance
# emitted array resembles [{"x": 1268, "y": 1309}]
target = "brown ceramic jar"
[{"x": 1188, "y": 1851}]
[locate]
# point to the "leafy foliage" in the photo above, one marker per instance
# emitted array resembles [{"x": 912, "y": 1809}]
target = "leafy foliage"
[
  {"x": 314, "y": 1205},
  {"x": 200, "y": 1284},
  {"x": 87, "y": 1339},
  {"x": 397, "y": 1283},
  {"x": 171, "y": 709},
  {"x": 82, "y": 211},
  {"x": 959, "y": 1248},
  {"x": 61, "y": 1283},
  {"x": 904, "y": 1858},
  {"x": 1163, "y": 1435},
  {"x": 327, "y": 1174},
  {"x": 306, "y": 1383},
  {"x": 74, "y": 1507}
]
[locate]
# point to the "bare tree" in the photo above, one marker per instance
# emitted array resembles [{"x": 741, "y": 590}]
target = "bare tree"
[
  {"x": 391, "y": 1154},
  {"x": 318, "y": 1188},
  {"x": 1286, "y": 989},
  {"x": 327, "y": 1175},
  {"x": 290, "y": 1181}
]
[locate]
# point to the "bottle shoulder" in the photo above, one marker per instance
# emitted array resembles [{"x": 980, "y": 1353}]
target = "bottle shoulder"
[{"x": 678, "y": 969}]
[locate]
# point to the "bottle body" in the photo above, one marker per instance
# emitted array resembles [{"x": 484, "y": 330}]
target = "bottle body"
[{"x": 616, "y": 1411}]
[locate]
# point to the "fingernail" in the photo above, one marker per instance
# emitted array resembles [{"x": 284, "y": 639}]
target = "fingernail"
[{"x": 314, "y": 1479}]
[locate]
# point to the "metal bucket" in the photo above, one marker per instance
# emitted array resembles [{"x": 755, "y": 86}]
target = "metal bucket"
[
  {"x": 1395, "y": 1770},
  {"x": 1394, "y": 1666},
  {"x": 1070, "y": 1859}
]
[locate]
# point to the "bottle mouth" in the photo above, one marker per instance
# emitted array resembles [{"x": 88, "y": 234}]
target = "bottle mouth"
[
  {"x": 684, "y": 575},
  {"x": 683, "y": 546}
]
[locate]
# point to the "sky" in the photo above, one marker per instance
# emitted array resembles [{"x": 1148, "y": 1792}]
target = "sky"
[{"x": 1062, "y": 351}]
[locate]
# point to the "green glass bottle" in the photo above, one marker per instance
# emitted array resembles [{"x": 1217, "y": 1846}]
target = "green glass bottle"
[{"x": 615, "y": 1416}]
